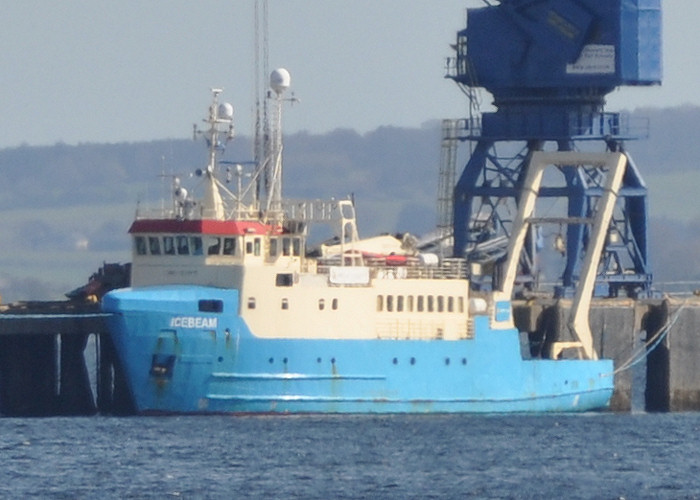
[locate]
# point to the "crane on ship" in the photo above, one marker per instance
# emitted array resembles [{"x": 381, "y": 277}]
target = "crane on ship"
[{"x": 549, "y": 65}]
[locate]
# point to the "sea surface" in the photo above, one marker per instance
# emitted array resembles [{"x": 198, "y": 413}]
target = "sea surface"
[{"x": 602, "y": 456}]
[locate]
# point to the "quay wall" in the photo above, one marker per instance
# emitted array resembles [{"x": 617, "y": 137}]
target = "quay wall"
[
  {"x": 57, "y": 359},
  {"x": 673, "y": 368}
]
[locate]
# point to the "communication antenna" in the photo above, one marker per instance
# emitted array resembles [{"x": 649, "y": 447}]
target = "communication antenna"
[{"x": 262, "y": 125}]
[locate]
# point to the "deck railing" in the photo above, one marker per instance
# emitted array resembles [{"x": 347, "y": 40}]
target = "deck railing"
[{"x": 452, "y": 268}]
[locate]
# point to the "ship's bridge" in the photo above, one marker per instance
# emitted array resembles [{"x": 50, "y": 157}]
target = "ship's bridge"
[{"x": 171, "y": 251}]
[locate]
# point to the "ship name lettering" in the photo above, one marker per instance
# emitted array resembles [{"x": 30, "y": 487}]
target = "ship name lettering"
[{"x": 193, "y": 322}]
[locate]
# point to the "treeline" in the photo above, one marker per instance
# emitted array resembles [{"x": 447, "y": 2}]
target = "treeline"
[{"x": 388, "y": 162}]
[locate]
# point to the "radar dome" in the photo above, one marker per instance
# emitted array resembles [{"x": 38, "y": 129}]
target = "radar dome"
[
  {"x": 279, "y": 80},
  {"x": 225, "y": 110}
]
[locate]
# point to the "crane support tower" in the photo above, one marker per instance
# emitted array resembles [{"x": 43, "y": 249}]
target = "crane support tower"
[{"x": 549, "y": 65}]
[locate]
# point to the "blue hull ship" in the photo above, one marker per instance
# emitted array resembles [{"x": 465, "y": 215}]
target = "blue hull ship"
[
  {"x": 230, "y": 312},
  {"x": 226, "y": 368}
]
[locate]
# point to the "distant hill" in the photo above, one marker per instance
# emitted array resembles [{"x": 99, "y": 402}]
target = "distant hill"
[
  {"x": 67, "y": 208},
  {"x": 673, "y": 144}
]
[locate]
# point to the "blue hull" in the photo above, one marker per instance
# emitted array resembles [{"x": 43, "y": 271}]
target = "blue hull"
[{"x": 178, "y": 359}]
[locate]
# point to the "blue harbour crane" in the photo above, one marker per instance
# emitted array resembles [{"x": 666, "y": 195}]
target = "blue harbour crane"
[{"x": 549, "y": 65}]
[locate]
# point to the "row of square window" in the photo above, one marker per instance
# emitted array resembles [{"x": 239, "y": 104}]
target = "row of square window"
[
  {"x": 399, "y": 303},
  {"x": 192, "y": 245},
  {"x": 419, "y": 303}
]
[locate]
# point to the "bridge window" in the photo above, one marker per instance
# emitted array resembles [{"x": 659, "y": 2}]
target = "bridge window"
[
  {"x": 229, "y": 246},
  {"x": 380, "y": 303},
  {"x": 196, "y": 245},
  {"x": 168, "y": 245},
  {"x": 256, "y": 246},
  {"x": 460, "y": 303},
  {"x": 273, "y": 247},
  {"x": 296, "y": 247},
  {"x": 409, "y": 303},
  {"x": 440, "y": 303},
  {"x": 321, "y": 304},
  {"x": 399, "y": 303},
  {"x": 390, "y": 303},
  {"x": 334, "y": 304},
  {"x": 419, "y": 303},
  {"x": 431, "y": 304},
  {"x": 140, "y": 244},
  {"x": 213, "y": 246},
  {"x": 450, "y": 304},
  {"x": 183, "y": 247},
  {"x": 154, "y": 245},
  {"x": 286, "y": 246}
]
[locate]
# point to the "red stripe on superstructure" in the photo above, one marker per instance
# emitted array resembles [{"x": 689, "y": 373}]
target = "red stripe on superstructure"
[{"x": 204, "y": 226}]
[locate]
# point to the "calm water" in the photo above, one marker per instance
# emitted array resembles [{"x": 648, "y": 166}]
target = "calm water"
[{"x": 583, "y": 456}]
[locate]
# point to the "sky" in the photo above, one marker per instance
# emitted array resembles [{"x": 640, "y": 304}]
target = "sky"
[{"x": 108, "y": 71}]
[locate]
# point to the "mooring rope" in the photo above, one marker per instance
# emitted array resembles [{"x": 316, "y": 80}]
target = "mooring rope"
[{"x": 651, "y": 343}]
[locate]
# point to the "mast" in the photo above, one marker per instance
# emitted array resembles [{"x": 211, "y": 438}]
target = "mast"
[
  {"x": 279, "y": 83},
  {"x": 220, "y": 123}
]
